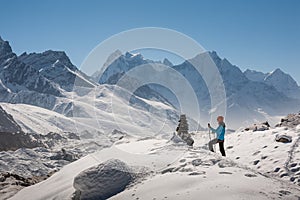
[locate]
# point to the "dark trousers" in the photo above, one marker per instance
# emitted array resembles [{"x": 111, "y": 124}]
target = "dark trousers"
[{"x": 221, "y": 145}]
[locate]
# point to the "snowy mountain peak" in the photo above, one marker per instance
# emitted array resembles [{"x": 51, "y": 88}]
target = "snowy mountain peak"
[
  {"x": 136, "y": 56},
  {"x": 167, "y": 62},
  {"x": 215, "y": 56},
  {"x": 277, "y": 72},
  {"x": 117, "y": 65},
  {"x": 47, "y": 59},
  {"x": 282, "y": 81}
]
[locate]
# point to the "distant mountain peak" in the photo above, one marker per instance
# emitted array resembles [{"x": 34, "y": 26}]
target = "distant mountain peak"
[
  {"x": 277, "y": 71},
  {"x": 129, "y": 55},
  {"x": 282, "y": 81},
  {"x": 167, "y": 62},
  {"x": 5, "y": 48},
  {"x": 214, "y": 55},
  {"x": 46, "y": 59}
]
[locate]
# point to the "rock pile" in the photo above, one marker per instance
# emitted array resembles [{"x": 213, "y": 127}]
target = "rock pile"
[
  {"x": 183, "y": 131},
  {"x": 291, "y": 121},
  {"x": 259, "y": 127}
]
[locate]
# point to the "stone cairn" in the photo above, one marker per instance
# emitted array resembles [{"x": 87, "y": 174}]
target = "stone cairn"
[{"x": 183, "y": 131}]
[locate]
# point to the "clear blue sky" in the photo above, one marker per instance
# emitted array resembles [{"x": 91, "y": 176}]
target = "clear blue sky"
[{"x": 257, "y": 34}]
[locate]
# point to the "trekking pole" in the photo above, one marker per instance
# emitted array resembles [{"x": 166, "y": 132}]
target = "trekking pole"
[{"x": 209, "y": 138}]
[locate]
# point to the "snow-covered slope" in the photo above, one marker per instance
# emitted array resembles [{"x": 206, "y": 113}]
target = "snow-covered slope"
[
  {"x": 283, "y": 82},
  {"x": 177, "y": 172},
  {"x": 99, "y": 109}
]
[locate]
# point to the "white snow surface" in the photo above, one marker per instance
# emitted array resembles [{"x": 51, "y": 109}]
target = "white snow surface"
[{"x": 178, "y": 172}]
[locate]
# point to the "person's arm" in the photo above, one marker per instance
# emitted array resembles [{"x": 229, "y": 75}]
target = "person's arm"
[{"x": 213, "y": 130}]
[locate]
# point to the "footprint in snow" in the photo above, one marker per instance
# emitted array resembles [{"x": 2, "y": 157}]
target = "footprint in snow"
[
  {"x": 284, "y": 192},
  {"x": 197, "y": 173},
  {"x": 277, "y": 169},
  {"x": 196, "y": 162},
  {"x": 225, "y": 173},
  {"x": 293, "y": 165},
  {"x": 256, "y": 162},
  {"x": 292, "y": 179},
  {"x": 295, "y": 169},
  {"x": 283, "y": 175},
  {"x": 250, "y": 175},
  {"x": 264, "y": 157}
]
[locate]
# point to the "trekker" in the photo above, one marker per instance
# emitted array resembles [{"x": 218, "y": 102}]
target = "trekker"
[{"x": 220, "y": 132}]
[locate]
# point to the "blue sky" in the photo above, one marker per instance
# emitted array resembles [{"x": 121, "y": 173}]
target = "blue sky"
[{"x": 257, "y": 34}]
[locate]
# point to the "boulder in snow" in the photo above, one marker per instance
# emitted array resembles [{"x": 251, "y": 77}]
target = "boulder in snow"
[
  {"x": 283, "y": 138},
  {"x": 259, "y": 127},
  {"x": 102, "y": 181}
]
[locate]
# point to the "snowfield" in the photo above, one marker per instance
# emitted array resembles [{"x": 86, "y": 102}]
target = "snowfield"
[{"x": 175, "y": 171}]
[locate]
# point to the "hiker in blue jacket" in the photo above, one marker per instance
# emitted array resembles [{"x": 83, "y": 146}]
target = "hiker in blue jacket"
[{"x": 220, "y": 132}]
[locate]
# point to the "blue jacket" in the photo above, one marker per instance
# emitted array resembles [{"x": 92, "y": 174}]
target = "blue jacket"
[{"x": 220, "y": 131}]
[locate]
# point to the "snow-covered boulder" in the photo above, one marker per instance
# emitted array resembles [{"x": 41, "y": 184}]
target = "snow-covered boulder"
[
  {"x": 102, "y": 181},
  {"x": 283, "y": 138}
]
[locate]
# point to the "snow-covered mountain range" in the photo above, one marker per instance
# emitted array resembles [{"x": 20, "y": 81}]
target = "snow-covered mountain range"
[
  {"x": 258, "y": 96},
  {"x": 47, "y": 79}
]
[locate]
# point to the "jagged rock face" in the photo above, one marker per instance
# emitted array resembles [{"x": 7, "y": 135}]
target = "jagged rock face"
[
  {"x": 57, "y": 67},
  {"x": 7, "y": 122},
  {"x": 5, "y": 50},
  {"x": 38, "y": 79},
  {"x": 16, "y": 76},
  {"x": 47, "y": 59}
]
